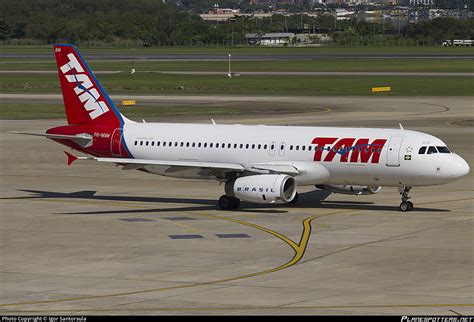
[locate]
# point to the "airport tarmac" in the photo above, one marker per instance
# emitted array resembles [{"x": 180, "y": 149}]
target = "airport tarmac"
[{"x": 93, "y": 239}]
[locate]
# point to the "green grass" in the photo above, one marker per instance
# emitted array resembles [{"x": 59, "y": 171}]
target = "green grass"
[
  {"x": 392, "y": 65},
  {"x": 149, "y": 83},
  {"x": 31, "y": 111},
  {"x": 247, "y": 49},
  {"x": 47, "y": 111}
]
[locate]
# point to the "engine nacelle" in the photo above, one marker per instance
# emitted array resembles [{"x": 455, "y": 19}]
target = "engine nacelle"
[
  {"x": 263, "y": 188},
  {"x": 351, "y": 190}
]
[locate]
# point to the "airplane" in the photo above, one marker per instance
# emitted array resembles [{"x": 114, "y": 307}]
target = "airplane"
[{"x": 257, "y": 163}]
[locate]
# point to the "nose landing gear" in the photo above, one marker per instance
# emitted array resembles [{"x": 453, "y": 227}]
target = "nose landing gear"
[{"x": 405, "y": 205}]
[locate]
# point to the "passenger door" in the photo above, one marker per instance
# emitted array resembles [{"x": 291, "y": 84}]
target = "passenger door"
[
  {"x": 393, "y": 151},
  {"x": 271, "y": 148}
]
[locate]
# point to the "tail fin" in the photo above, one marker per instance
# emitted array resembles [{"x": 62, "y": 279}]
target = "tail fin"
[{"x": 85, "y": 100}]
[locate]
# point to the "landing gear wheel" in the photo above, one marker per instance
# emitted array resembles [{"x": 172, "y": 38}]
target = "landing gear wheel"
[
  {"x": 226, "y": 202},
  {"x": 295, "y": 200},
  {"x": 405, "y": 205},
  {"x": 235, "y": 203}
]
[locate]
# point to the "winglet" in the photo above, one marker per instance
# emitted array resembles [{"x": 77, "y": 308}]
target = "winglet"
[
  {"x": 401, "y": 126},
  {"x": 70, "y": 158}
]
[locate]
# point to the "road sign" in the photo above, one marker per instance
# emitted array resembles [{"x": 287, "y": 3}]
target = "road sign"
[{"x": 381, "y": 89}]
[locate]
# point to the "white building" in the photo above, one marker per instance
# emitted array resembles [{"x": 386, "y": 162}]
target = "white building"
[
  {"x": 422, "y": 2},
  {"x": 270, "y": 39}
]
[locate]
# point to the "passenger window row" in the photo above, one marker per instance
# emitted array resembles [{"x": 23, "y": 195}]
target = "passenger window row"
[
  {"x": 303, "y": 148},
  {"x": 433, "y": 149},
  {"x": 204, "y": 145},
  {"x": 230, "y": 145}
]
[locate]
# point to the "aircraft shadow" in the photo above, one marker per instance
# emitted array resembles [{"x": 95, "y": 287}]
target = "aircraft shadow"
[{"x": 307, "y": 200}]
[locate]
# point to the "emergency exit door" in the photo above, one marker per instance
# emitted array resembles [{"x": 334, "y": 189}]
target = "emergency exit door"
[{"x": 116, "y": 143}]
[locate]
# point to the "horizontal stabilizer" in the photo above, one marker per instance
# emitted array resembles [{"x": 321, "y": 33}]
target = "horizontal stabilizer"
[{"x": 83, "y": 139}]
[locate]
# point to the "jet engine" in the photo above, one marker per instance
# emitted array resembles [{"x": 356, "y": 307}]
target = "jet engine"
[
  {"x": 263, "y": 188},
  {"x": 351, "y": 190}
]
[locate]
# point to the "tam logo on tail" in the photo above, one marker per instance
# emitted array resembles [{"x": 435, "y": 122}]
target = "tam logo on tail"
[
  {"x": 89, "y": 109},
  {"x": 88, "y": 95}
]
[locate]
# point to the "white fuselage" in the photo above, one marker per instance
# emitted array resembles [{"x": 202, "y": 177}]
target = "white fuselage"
[{"x": 351, "y": 156}]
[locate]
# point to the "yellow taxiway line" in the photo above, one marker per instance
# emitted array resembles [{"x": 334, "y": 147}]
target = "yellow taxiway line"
[{"x": 299, "y": 250}]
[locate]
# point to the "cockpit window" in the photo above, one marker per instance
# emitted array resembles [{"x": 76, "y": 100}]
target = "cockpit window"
[
  {"x": 432, "y": 150},
  {"x": 443, "y": 149},
  {"x": 422, "y": 150}
]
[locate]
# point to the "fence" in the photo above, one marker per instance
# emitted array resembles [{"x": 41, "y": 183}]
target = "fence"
[{"x": 362, "y": 42}]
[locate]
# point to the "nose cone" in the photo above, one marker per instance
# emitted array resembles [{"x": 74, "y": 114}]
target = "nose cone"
[{"x": 459, "y": 167}]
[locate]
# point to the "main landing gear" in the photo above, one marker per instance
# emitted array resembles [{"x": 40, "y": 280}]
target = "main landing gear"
[
  {"x": 227, "y": 202},
  {"x": 405, "y": 205}
]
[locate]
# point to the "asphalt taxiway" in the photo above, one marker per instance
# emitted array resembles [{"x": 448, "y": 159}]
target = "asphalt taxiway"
[{"x": 93, "y": 239}]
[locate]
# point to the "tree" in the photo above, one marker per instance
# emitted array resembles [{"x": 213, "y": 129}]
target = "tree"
[{"x": 5, "y": 32}]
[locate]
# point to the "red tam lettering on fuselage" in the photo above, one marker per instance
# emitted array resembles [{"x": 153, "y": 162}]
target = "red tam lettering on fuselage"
[
  {"x": 320, "y": 145},
  {"x": 362, "y": 151},
  {"x": 341, "y": 144},
  {"x": 366, "y": 150}
]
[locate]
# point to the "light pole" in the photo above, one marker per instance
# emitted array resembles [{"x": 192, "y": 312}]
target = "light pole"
[
  {"x": 229, "y": 74},
  {"x": 133, "y": 61}
]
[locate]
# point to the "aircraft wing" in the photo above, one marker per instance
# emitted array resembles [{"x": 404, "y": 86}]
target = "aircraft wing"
[
  {"x": 216, "y": 169},
  {"x": 137, "y": 163},
  {"x": 273, "y": 168}
]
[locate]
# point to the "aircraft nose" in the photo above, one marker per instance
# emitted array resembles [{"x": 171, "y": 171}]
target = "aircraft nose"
[{"x": 460, "y": 168}]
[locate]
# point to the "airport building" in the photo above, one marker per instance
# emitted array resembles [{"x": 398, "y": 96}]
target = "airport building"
[
  {"x": 270, "y": 39},
  {"x": 216, "y": 10},
  {"x": 301, "y": 37},
  {"x": 422, "y": 2},
  {"x": 255, "y": 2}
]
